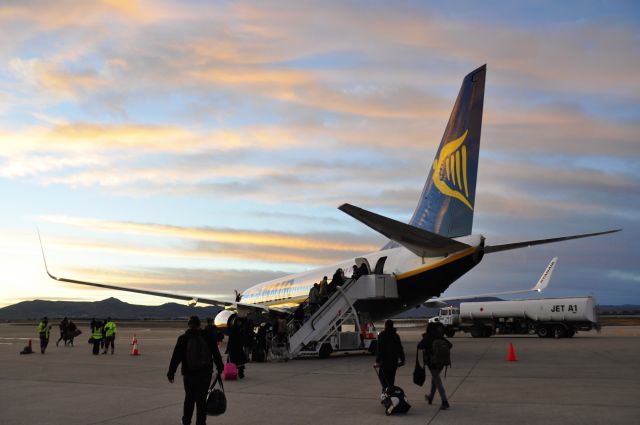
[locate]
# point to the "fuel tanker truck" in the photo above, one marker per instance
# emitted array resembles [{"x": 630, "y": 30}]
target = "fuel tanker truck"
[{"x": 546, "y": 317}]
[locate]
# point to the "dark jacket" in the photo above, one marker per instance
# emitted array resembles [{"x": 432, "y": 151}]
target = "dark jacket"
[
  {"x": 211, "y": 331},
  {"x": 180, "y": 353},
  {"x": 426, "y": 344},
  {"x": 235, "y": 345},
  {"x": 389, "y": 351}
]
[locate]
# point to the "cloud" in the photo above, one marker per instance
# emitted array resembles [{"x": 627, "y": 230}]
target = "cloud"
[{"x": 278, "y": 247}]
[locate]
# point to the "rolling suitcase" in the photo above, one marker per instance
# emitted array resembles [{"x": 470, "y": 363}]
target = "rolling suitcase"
[
  {"x": 230, "y": 372},
  {"x": 393, "y": 398}
]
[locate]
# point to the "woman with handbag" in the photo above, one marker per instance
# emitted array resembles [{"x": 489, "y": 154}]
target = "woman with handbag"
[{"x": 436, "y": 357}]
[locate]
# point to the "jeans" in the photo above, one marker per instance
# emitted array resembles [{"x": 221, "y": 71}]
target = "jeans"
[{"x": 436, "y": 383}]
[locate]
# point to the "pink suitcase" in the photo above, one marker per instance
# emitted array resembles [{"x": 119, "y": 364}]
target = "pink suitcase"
[{"x": 230, "y": 372}]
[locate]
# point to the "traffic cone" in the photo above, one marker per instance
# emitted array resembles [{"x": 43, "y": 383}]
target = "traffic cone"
[
  {"x": 512, "y": 354},
  {"x": 134, "y": 344}
]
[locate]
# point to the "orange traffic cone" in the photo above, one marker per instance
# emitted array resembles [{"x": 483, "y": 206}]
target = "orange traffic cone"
[
  {"x": 134, "y": 344},
  {"x": 512, "y": 354}
]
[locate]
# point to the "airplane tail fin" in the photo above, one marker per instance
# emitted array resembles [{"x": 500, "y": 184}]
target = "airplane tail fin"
[{"x": 446, "y": 204}]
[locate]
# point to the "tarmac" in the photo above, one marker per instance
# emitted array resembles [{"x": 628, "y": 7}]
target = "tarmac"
[{"x": 593, "y": 378}]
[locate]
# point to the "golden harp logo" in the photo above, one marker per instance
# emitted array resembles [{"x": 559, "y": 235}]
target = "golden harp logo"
[{"x": 452, "y": 181}]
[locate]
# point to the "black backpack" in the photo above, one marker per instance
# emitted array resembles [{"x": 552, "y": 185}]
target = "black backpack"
[
  {"x": 198, "y": 354},
  {"x": 440, "y": 354}
]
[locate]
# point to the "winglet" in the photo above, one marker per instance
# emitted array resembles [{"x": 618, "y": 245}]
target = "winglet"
[
  {"x": 43, "y": 257},
  {"x": 546, "y": 276}
]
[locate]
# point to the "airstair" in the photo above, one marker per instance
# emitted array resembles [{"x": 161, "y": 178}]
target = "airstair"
[{"x": 321, "y": 333}]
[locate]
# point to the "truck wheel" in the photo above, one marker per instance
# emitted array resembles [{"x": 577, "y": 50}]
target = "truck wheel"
[
  {"x": 487, "y": 332},
  {"x": 325, "y": 350},
  {"x": 543, "y": 332},
  {"x": 476, "y": 332},
  {"x": 559, "y": 331},
  {"x": 571, "y": 333},
  {"x": 450, "y": 332},
  {"x": 373, "y": 347}
]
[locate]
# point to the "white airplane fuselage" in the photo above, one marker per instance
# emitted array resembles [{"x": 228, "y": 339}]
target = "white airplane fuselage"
[{"x": 412, "y": 275}]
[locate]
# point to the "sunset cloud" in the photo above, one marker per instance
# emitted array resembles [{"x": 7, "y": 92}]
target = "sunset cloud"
[{"x": 177, "y": 133}]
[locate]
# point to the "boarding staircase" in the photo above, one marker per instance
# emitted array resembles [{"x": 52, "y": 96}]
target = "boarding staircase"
[{"x": 338, "y": 309}]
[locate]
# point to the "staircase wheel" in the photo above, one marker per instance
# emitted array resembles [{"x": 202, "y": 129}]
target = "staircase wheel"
[{"x": 325, "y": 350}]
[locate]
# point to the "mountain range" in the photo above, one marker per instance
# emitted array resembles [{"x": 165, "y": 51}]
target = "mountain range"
[
  {"x": 110, "y": 307},
  {"x": 113, "y": 307}
]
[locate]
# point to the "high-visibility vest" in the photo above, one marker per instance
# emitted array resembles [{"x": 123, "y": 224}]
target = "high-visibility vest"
[
  {"x": 110, "y": 329},
  {"x": 43, "y": 329},
  {"x": 96, "y": 333}
]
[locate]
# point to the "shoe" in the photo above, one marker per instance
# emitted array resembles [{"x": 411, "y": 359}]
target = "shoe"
[
  {"x": 429, "y": 399},
  {"x": 445, "y": 405}
]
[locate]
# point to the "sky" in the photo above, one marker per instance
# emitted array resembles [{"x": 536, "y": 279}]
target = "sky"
[{"x": 200, "y": 147}]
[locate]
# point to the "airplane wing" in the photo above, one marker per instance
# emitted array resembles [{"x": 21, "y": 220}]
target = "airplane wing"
[
  {"x": 497, "y": 248},
  {"x": 421, "y": 242},
  {"x": 542, "y": 283},
  {"x": 192, "y": 300}
]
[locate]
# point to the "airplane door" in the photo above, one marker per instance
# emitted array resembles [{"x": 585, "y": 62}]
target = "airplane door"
[{"x": 360, "y": 261}]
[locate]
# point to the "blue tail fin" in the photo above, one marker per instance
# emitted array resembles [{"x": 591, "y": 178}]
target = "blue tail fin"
[{"x": 446, "y": 204}]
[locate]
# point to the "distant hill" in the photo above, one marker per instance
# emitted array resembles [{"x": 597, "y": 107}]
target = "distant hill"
[
  {"x": 110, "y": 307},
  {"x": 113, "y": 307},
  {"x": 422, "y": 312},
  {"x": 625, "y": 309}
]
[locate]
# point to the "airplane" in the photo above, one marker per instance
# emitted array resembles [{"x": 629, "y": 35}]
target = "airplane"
[{"x": 426, "y": 255}]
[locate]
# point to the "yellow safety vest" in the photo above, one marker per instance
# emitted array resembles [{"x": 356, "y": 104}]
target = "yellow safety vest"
[
  {"x": 96, "y": 333},
  {"x": 110, "y": 329},
  {"x": 43, "y": 329}
]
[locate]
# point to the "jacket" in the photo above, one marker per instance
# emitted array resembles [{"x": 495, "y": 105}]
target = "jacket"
[
  {"x": 389, "y": 349},
  {"x": 180, "y": 353},
  {"x": 426, "y": 344}
]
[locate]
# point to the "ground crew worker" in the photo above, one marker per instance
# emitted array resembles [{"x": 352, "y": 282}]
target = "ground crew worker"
[
  {"x": 43, "y": 332},
  {"x": 96, "y": 335},
  {"x": 110, "y": 335}
]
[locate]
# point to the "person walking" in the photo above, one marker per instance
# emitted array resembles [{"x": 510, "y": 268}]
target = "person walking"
[
  {"x": 43, "y": 333},
  {"x": 212, "y": 331},
  {"x": 235, "y": 346},
  {"x": 64, "y": 326},
  {"x": 109, "y": 335},
  {"x": 436, "y": 356},
  {"x": 96, "y": 335},
  {"x": 389, "y": 355},
  {"x": 197, "y": 354}
]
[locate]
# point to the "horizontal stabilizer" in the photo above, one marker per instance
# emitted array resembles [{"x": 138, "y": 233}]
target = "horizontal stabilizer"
[
  {"x": 421, "y": 242},
  {"x": 497, "y": 248}
]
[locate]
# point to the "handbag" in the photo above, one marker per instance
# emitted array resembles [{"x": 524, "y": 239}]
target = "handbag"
[
  {"x": 216, "y": 400},
  {"x": 419, "y": 374}
]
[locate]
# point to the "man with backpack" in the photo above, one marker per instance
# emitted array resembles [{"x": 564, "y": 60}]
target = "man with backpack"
[
  {"x": 197, "y": 355},
  {"x": 437, "y": 355}
]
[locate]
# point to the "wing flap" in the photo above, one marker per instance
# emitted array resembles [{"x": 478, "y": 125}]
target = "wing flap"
[{"x": 421, "y": 242}]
